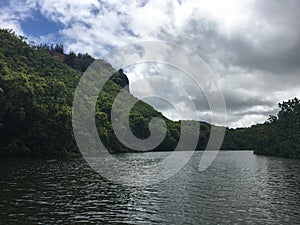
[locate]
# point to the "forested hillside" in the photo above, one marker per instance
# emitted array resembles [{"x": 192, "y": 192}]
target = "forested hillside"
[
  {"x": 36, "y": 98},
  {"x": 37, "y": 85},
  {"x": 280, "y": 135},
  {"x": 36, "y": 94}
]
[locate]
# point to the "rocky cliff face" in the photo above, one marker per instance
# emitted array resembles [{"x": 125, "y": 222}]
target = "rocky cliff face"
[{"x": 121, "y": 79}]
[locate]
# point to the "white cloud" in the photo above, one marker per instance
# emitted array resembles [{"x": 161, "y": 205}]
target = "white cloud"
[{"x": 252, "y": 46}]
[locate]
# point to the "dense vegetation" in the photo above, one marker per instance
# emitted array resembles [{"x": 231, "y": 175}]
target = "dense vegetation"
[
  {"x": 79, "y": 62},
  {"x": 280, "y": 135},
  {"x": 36, "y": 93},
  {"x": 36, "y": 98},
  {"x": 37, "y": 85}
]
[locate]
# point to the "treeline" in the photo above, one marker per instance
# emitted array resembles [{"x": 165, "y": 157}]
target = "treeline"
[
  {"x": 77, "y": 61},
  {"x": 57, "y": 48},
  {"x": 280, "y": 135},
  {"x": 36, "y": 96},
  {"x": 36, "y": 93}
]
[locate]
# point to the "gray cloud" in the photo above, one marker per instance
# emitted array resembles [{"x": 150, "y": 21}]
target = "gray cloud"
[{"x": 252, "y": 46}]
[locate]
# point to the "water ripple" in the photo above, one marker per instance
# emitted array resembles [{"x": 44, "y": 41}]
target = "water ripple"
[{"x": 238, "y": 188}]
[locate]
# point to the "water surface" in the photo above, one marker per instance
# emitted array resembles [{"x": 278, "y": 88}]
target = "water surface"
[{"x": 237, "y": 188}]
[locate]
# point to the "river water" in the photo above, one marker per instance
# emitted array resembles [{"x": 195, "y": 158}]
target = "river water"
[{"x": 237, "y": 188}]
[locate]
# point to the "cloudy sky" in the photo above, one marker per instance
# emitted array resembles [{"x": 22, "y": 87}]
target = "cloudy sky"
[{"x": 252, "y": 46}]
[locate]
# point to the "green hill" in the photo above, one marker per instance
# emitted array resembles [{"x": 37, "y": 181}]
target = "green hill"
[
  {"x": 278, "y": 136},
  {"x": 37, "y": 86},
  {"x": 36, "y": 98},
  {"x": 36, "y": 94}
]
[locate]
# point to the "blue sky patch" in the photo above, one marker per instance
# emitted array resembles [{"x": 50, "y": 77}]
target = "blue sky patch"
[
  {"x": 39, "y": 25},
  {"x": 4, "y": 3}
]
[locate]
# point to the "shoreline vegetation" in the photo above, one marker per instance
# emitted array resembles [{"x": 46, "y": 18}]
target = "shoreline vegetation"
[{"x": 37, "y": 85}]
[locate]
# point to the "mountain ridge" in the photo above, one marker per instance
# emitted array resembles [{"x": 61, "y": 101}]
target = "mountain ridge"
[{"x": 36, "y": 97}]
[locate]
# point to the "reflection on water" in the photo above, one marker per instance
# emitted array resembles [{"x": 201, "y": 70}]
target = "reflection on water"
[{"x": 238, "y": 188}]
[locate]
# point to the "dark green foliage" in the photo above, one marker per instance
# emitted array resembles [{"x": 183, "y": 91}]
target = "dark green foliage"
[
  {"x": 79, "y": 62},
  {"x": 280, "y": 135},
  {"x": 139, "y": 119},
  {"x": 121, "y": 79},
  {"x": 36, "y": 94},
  {"x": 36, "y": 99},
  {"x": 58, "y": 48}
]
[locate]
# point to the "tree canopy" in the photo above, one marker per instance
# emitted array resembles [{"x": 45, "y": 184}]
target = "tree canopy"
[
  {"x": 280, "y": 135},
  {"x": 36, "y": 94},
  {"x": 37, "y": 85}
]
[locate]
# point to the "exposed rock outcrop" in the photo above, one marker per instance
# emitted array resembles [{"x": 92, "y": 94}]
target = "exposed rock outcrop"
[{"x": 121, "y": 79}]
